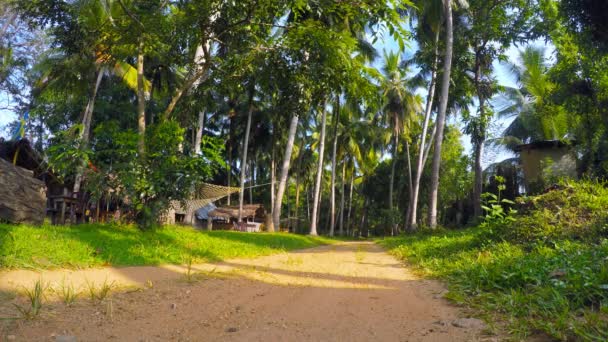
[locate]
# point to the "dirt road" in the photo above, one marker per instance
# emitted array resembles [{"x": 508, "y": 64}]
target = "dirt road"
[{"x": 351, "y": 291}]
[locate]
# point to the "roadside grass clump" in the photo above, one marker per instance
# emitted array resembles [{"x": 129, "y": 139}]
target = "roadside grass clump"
[
  {"x": 67, "y": 292},
  {"x": 293, "y": 261},
  {"x": 539, "y": 271},
  {"x": 35, "y": 297},
  {"x": 94, "y": 245},
  {"x": 98, "y": 294},
  {"x": 188, "y": 261},
  {"x": 360, "y": 254}
]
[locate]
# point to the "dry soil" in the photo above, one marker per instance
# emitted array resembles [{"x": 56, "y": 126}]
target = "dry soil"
[{"x": 351, "y": 291}]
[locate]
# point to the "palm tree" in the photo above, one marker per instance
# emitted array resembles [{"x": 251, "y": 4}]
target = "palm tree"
[
  {"x": 443, "y": 103},
  {"x": 401, "y": 106},
  {"x": 95, "y": 16},
  {"x": 534, "y": 118},
  {"x": 276, "y": 212},
  {"x": 334, "y": 156},
  {"x": 317, "y": 191},
  {"x": 428, "y": 17},
  {"x": 354, "y": 140},
  {"x": 244, "y": 152}
]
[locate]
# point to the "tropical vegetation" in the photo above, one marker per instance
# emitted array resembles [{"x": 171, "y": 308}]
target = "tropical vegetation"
[{"x": 349, "y": 118}]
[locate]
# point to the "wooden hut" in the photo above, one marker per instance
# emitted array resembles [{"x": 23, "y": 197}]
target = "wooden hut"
[
  {"x": 253, "y": 215},
  {"x": 251, "y": 212}
]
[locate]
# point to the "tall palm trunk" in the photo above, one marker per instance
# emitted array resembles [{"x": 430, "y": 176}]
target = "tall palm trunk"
[
  {"x": 297, "y": 204},
  {"x": 413, "y": 207},
  {"x": 478, "y": 186},
  {"x": 244, "y": 157},
  {"x": 320, "y": 205},
  {"x": 409, "y": 178},
  {"x": 478, "y": 140},
  {"x": 270, "y": 217},
  {"x": 85, "y": 133},
  {"x": 273, "y": 180},
  {"x": 308, "y": 203},
  {"x": 229, "y": 165},
  {"x": 443, "y": 104},
  {"x": 252, "y": 176},
  {"x": 141, "y": 101},
  {"x": 332, "y": 222},
  {"x": 350, "y": 200},
  {"x": 341, "y": 221},
  {"x": 363, "y": 230},
  {"x": 296, "y": 210},
  {"x": 276, "y": 211},
  {"x": 392, "y": 184},
  {"x": 317, "y": 194}
]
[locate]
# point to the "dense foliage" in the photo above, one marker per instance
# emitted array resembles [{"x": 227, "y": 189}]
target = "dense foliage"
[
  {"x": 142, "y": 101},
  {"x": 542, "y": 269}
]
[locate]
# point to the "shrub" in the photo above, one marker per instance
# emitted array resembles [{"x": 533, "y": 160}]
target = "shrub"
[
  {"x": 543, "y": 268},
  {"x": 570, "y": 210}
]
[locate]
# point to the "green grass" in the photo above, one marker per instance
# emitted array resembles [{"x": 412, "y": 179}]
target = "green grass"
[
  {"x": 561, "y": 290},
  {"x": 544, "y": 268},
  {"x": 47, "y": 246}
]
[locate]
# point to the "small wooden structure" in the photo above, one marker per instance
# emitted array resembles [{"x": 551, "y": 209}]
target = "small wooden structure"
[
  {"x": 546, "y": 158},
  {"x": 252, "y": 215}
]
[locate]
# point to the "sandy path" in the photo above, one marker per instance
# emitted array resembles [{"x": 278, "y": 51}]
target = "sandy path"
[{"x": 352, "y": 291}]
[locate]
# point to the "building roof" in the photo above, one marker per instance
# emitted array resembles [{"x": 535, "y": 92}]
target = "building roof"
[
  {"x": 203, "y": 212},
  {"x": 27, "y": 157},
  {"x": 249, "y": 210}
]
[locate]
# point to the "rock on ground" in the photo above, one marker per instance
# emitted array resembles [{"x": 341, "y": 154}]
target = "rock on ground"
[
  {"x": 22, "y": 197},
  {"x": 469, "y": 323}
]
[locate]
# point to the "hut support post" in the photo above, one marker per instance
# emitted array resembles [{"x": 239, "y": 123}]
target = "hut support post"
[{"x": 209, "y": 224}]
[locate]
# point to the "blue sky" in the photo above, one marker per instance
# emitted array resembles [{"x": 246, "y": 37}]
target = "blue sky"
[{"x": 5, "y": 118}]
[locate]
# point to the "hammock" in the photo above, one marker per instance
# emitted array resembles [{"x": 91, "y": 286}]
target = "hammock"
[{"x": 205, "y": 194}]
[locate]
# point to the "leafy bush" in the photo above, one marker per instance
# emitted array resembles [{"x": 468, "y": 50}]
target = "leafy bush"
[
  {"x": 145, "y": 184},
  {"x": 570, "y": 210},
  {"x": 165, "y": 174},
  {"x": 544, "y": 269}
]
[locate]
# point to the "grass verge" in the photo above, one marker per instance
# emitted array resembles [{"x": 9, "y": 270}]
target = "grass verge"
[
  {"x": 561, "y": 290},
  {"x": 91, "y": 245}
]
